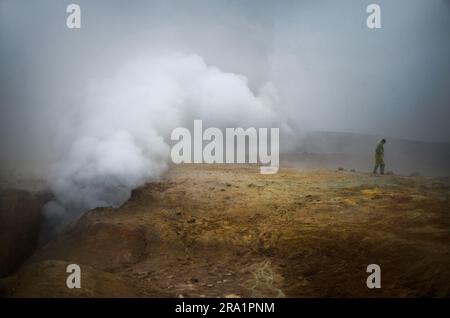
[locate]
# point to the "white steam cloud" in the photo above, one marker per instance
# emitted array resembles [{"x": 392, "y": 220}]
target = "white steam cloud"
[{"x": 119, "y": 135}]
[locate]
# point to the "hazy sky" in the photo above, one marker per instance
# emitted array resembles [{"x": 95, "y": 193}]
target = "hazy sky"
[{"x": 330, "y": 71}]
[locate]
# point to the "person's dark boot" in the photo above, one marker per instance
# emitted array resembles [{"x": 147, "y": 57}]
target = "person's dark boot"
[
  {"x": 375, "y": 169},
  {"x": 382, "y": 169}
]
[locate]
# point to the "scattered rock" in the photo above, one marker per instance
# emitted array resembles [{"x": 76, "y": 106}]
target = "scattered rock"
[
  {"x": 142, "y": 274},
  {"x": 194, "y": 280}
]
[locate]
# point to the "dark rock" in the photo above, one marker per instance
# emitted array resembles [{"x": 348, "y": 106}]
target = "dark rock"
[{"x": 20, "y": 222}]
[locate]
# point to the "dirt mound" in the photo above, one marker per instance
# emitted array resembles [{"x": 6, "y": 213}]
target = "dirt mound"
[
  {"x": 95, "y": 283},
  {"x": 103, "y": 245}
]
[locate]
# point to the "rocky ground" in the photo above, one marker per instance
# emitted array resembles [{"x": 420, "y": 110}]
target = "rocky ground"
[{"x": 227, "y": 231}]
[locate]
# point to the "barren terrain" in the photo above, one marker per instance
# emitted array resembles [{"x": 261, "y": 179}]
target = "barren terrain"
[{"x": 227, "y": 231}]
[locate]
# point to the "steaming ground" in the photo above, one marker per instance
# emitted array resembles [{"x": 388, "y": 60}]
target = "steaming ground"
[
  {"x": 227, "y": 231},
  {"x": 118, "y": 137},
  {"x": 96, "y": 144}
]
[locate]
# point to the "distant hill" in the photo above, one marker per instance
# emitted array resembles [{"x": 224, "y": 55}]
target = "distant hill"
[{"x": 355, "y": 151}]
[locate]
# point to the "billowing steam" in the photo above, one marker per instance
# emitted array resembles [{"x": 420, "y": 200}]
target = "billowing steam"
[{"x": 121, "y": 131}]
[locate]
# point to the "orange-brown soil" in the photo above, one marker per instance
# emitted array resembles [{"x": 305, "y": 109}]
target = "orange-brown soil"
[{"x": 227, "y": 231}]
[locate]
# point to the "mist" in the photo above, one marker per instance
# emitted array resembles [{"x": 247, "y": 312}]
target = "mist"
[
  {"x": 120, "y": 134},
  {"x": 90, "y": 110}
]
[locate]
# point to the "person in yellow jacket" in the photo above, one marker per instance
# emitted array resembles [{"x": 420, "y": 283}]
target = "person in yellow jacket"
[{"x": 379, "y": 156}]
